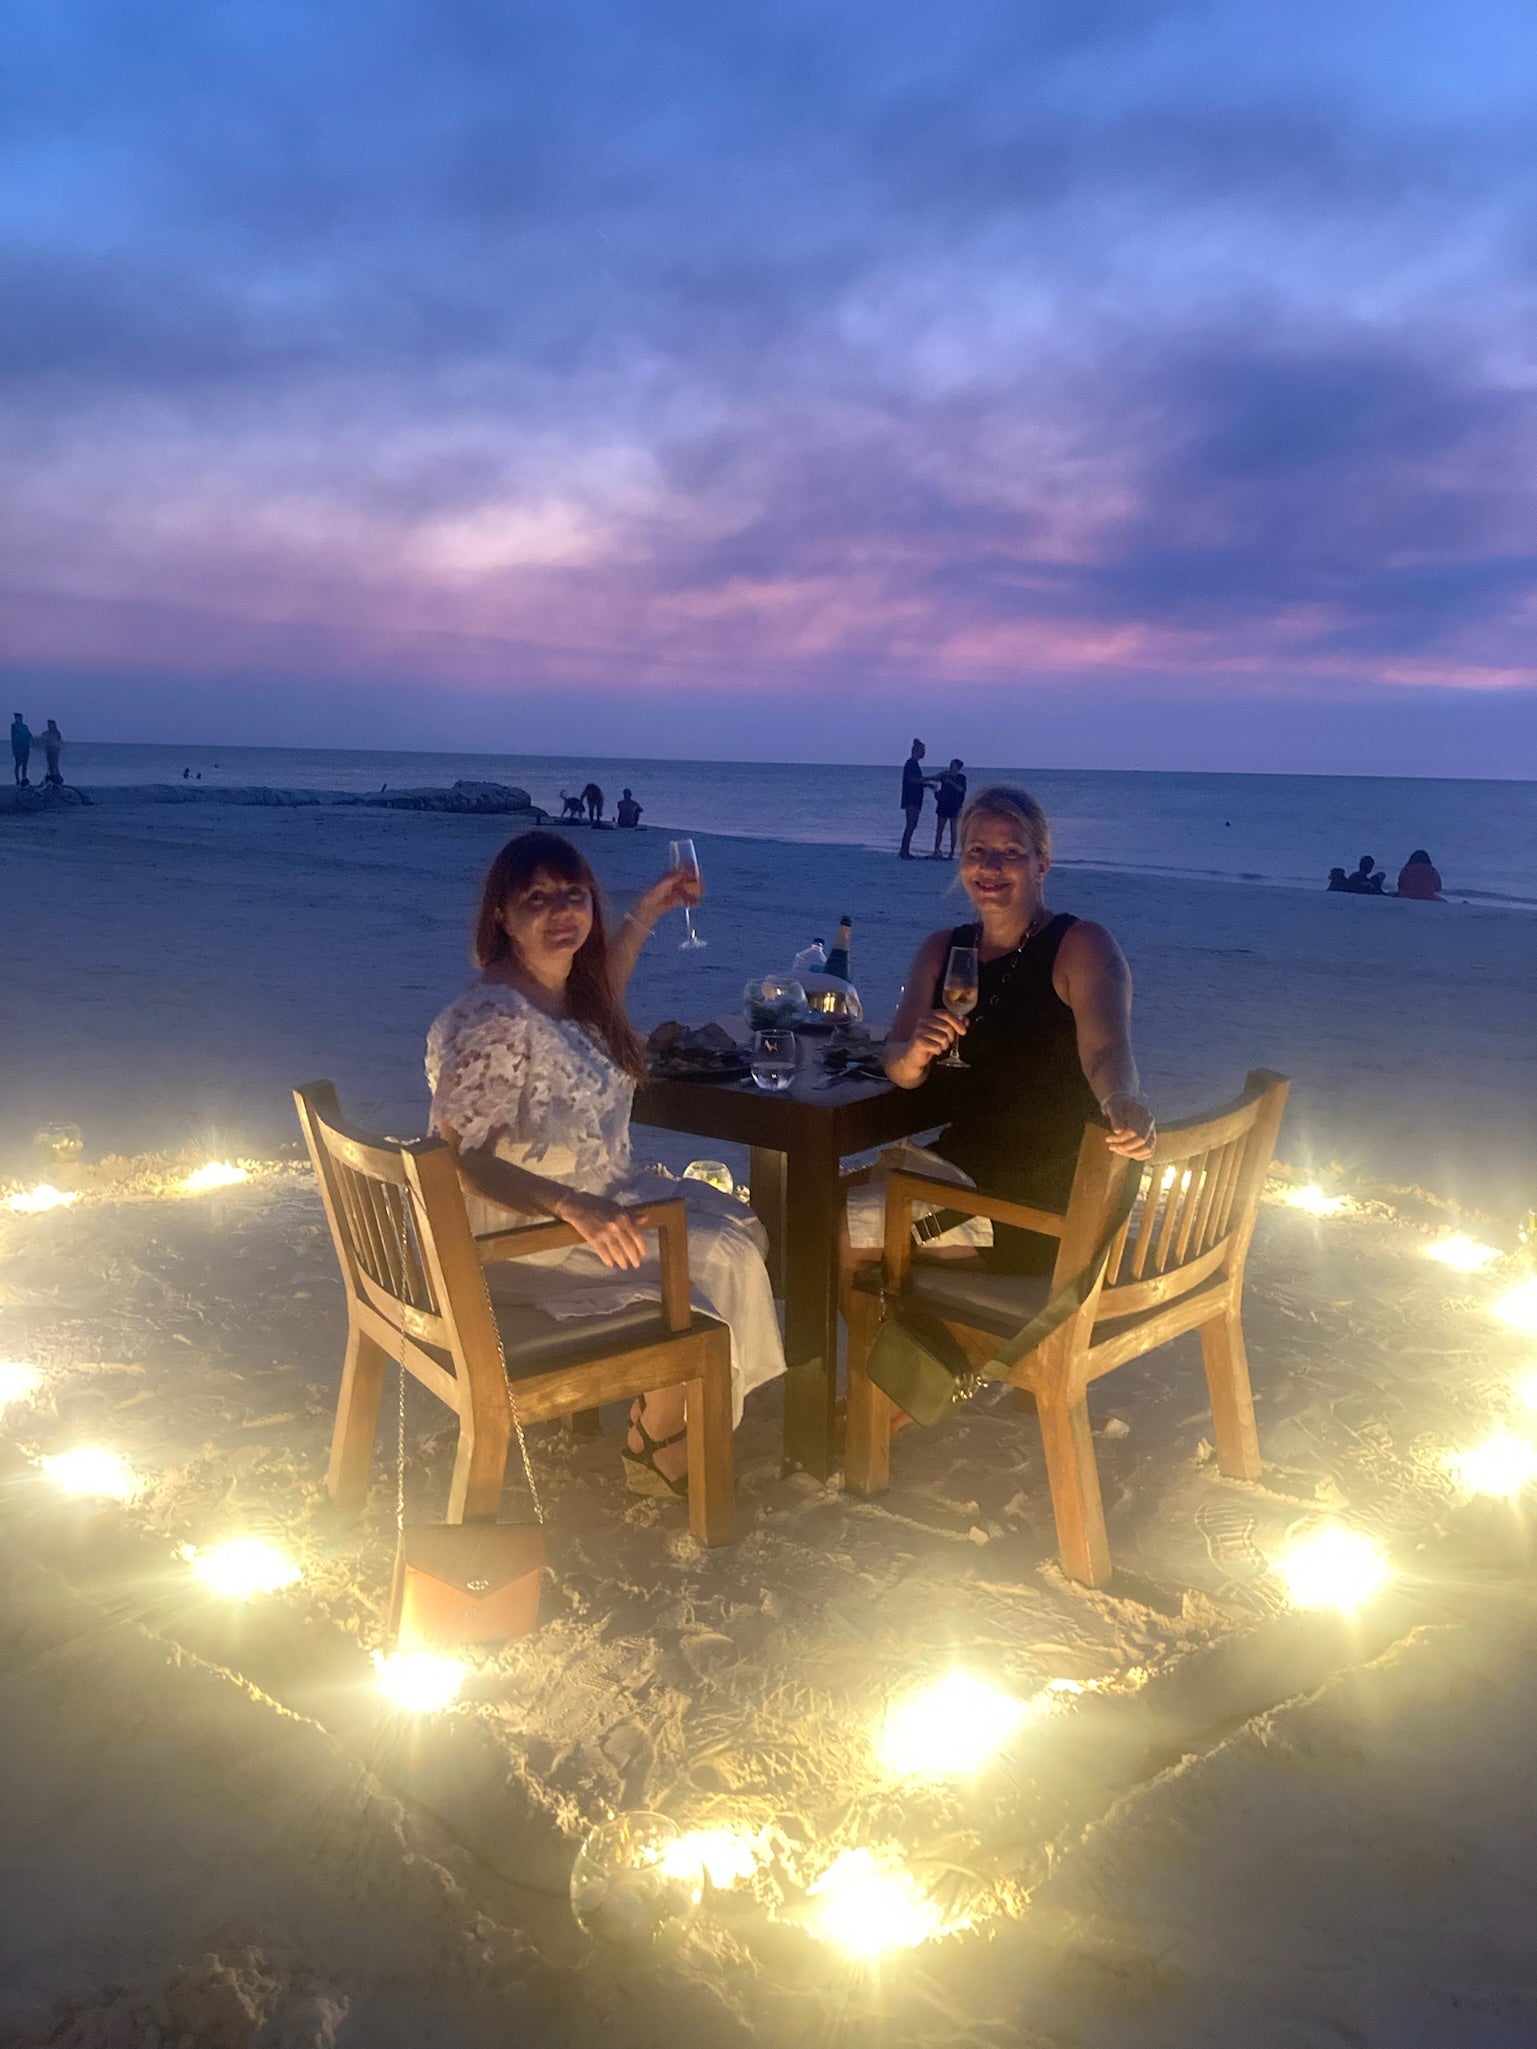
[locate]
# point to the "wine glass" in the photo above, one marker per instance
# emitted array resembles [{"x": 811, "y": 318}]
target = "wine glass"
[
  {"x": 960, "y": 993},
  {"x": 773, "y": 1060},
  {"x": 686, "y": 862}
]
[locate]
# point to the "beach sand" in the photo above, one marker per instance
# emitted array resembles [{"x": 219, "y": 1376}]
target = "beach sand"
[{"x": 1248, "y": 1826}]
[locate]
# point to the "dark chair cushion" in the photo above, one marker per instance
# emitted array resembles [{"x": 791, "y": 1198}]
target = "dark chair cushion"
[
  {"x": 535, "y": 1342},
  {"x": 1000, "y": 1304}
]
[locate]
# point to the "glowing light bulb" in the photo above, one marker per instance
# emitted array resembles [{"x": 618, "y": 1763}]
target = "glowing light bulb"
[
  {"x": 1333, "y": 1568},
  {"x": 1526, "y": 1389},
  {"x": 1460, "y": 1252},
  {"x": 1518, "y": 1306},
  {"x": 727, "y": 1856},
  {"x": 949, "y": 1729},
  {"x": 31, "y": 1202},
  {"x": 17, "y": 1382},
  {"x": 419, "y": 1682},
  {"x": 1314, "y": 1202},
  {"x": 1503, "y": 1466},
  {"x": 867, "y": 1906},
  {"x": 217, "y": 1174},
  {"x": 90, "y": 1470},
  {"x": 244, "y": 1567},
  {"x": 636, "y": 1886}
]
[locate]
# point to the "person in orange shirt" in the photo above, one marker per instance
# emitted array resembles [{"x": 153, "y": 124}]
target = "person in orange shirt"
[{"x": 1419, "y": 878}]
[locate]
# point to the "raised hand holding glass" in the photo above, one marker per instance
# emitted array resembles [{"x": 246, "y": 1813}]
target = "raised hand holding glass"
[
  {"x": 960, "y": 992},
  {"x": 686, "y": 862}
]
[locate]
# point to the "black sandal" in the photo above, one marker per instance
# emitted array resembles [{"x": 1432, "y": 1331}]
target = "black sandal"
[{"x": 642, "y": 1473}]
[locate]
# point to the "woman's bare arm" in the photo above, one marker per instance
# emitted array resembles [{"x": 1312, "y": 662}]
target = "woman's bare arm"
[
  {"x": 670, "y": 893},
  {"x": 1093, "y": 979},
  {"x": 603, "y": 1224}
]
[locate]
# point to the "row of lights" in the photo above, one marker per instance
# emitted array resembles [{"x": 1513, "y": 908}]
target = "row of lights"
[{"x": 31, "y": 1202}]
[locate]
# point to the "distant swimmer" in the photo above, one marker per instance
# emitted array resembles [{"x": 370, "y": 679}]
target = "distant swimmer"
[
  {"x": 1420, "y": 880},
  {"x": 592, "y": 797},
  {"x": 627, "y": 812},
  {"x": 53, "y": 749},
  {"x": 21, "y": 749}
]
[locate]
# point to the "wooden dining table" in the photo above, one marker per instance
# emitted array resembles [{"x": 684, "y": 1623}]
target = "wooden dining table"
[{"x": 798, "y": 1139}]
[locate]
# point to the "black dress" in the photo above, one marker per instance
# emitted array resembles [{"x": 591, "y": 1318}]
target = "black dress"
[{"x": 1022, "y": 1101}]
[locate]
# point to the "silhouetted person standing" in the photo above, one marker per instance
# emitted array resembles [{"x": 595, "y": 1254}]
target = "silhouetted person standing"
[
  {"x": 949, "y": 796},
  {"x": 914, "y": 783},
  {"x": 21, "y": 749},
  {"x": 592, "y": 796},
  {"x": 53, "y": 748}
]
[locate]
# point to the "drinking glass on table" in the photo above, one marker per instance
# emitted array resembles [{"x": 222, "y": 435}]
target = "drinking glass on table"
[
  {"x": 686, "y": 862},
  {"x": 960, "y": 993},
  {"x": 773, "y": 1060}
]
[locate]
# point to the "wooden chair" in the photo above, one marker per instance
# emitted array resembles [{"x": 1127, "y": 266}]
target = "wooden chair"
[
  {"x": 1177, "y": 1264},
  {"x": 416, "y": 1293}
]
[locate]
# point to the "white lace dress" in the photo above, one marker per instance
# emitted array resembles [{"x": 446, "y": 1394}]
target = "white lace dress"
[{"x": 545, "y": 1093}]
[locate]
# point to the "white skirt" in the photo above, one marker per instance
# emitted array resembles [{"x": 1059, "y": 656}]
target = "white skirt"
[
  {"x": 729, "y": 1280},
  {"x": 867, "y": 1203}
]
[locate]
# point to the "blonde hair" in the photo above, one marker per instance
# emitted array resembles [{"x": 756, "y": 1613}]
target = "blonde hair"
[{"x": 1006, "y": 800}]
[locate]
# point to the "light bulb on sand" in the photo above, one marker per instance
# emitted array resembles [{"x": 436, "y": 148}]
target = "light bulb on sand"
[
  {"x": 1504, "y": 1466},
  {"x": 17, "y": 1382},
  {"x": 419, "y": 1682},
  {"x": 1526, "y": 1389},
  {"x": 1518, "y": 1307},
  {"x": 1461, "y": 1253},
  {"x": 727, "y": 1856},
  {"x": 1332, "y": 1568},
  {"x": 217, "y": 1174},
  {"x": 1313, "y": 1201},
  {"x": 32, "y": 1202},
  {"x": 947, "y": 1730},
  {"x": 867, "y": 1905},
  {"x": 244, "y": 1567},
  {"x": 91, "y": 1471}
]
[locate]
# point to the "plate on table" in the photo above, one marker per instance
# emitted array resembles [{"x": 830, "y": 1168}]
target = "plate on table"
[{"x": 701, "y": 1064}]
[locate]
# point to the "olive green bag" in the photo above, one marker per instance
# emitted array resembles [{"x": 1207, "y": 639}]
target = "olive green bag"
[{"x": 918, "y": 1362}]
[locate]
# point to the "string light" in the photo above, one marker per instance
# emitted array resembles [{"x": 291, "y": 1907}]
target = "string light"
[
  {"x": 32, "y": 1202},
  {"x": 1460, "y": 1252},
  {"x": 1333, "y": 1568},
  {"x": 419, "y": 1682},
  {"x": 868, "y": 1906},
  {"x": 1313, "y": 1201},
  {"x": 17, "y": 1382},
  {"x": 88, "y": 1469},
  {"x": 727, "y": 1856},
  {"x": 243, "y": 1567},
  {"x": 1504, "y": 1466},
  {"x": 217, "y": 1174},
  {"x": 1526, "y": 1389},
  {"x": 949, "y": 1729},
  {"x": 1518, "y": 1307}
]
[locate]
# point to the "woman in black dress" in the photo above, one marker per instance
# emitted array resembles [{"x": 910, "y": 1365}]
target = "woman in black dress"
[{"x": 1047, "y": 1049}]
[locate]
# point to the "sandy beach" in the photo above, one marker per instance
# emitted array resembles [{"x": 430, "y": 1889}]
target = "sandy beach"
[{"x": 1231, "y": 1823}]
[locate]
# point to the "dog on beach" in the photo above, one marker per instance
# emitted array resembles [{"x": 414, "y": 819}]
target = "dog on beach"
[{"x": 571, "y": 807}]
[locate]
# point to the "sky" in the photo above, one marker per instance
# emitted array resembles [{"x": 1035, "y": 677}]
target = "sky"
[{"x": 1099, "y": 382}]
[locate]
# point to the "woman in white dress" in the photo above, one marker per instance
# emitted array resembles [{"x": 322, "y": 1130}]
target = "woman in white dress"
[{"x": 533, "y": 1074}]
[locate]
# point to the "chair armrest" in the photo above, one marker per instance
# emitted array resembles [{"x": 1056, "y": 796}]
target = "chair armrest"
[
  {"x": 668, "y": 1219},
  {"x": 973, "y": 1202}
]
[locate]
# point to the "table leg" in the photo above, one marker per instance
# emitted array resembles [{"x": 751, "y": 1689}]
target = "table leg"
[
  {"x": 812, "y": 1196},
  {"x": 766, "y": 1176}
]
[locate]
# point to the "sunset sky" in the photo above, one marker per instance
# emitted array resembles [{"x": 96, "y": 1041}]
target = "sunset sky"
[{"x": 1148, "y": 384}]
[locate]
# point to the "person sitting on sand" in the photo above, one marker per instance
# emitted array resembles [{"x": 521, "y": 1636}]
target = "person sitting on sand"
[
  {"x": 1367, "y": 879},
  {"x": 627, "y": 812},
  {"x": 949, "y": 796},
  {"x": 592, "y": 797},
  {"x": 1419, "y": 879},
  {"x": 1338, "y": 880},
  {"x": 1047, "y": 1049},
  {"x": 533, "y": 1074},
  {"x": 21, "y": 749},
  {"x": 53, "y": 748}
]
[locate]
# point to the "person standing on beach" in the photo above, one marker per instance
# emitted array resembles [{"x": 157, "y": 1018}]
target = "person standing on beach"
[
  {"x": 949, "y": 796},
  {"x": 53, "y": 748},
  {"x": 21, "y": 749},
  {"x": 592, "y": 797},
  {"x": 914, "y": 783}
]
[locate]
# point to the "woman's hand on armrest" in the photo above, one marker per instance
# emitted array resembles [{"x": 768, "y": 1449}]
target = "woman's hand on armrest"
[
  {"x": 604, "y": 1225},
  {"x": 1132, "y": 1130},
  {"x": 601, "y": 1223}
]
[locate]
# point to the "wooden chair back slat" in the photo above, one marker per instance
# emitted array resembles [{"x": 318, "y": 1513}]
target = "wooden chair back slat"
[
  {"x": 1201, "y": 1237},
  {"x": 1199, "y": 1170},
  {"x": 1150, "y": 1194},
  {"x": 1228, "y": 1189}
]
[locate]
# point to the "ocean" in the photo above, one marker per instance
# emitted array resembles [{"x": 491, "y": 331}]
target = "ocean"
[{"x": 1280, "y": 831}]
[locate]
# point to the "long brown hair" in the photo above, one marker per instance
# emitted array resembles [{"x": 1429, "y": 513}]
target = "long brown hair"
[{"x": 590, "y": 996}]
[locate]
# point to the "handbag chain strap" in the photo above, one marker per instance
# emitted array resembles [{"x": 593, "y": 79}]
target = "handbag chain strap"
[{"x": 400, "y": 1435}]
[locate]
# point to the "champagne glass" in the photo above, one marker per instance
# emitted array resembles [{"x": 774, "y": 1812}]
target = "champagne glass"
[
  {"x": 960, "y": 993},
  {"x": 773, "y": 1060},
  {"x": 686, "y": 862}
]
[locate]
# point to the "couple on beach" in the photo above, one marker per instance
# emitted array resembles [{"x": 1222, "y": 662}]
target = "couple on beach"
[
  {"x": 949, "y": 788},
  {"x": 21, "y": 752},
  {"x": 533, "y": 1074}
]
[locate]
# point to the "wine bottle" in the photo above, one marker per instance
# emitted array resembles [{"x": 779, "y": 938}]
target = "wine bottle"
[{"x": 838, "y": 959}]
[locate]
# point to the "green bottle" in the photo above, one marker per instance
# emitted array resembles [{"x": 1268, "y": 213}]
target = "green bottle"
[{"x": 838, "y": 959}]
